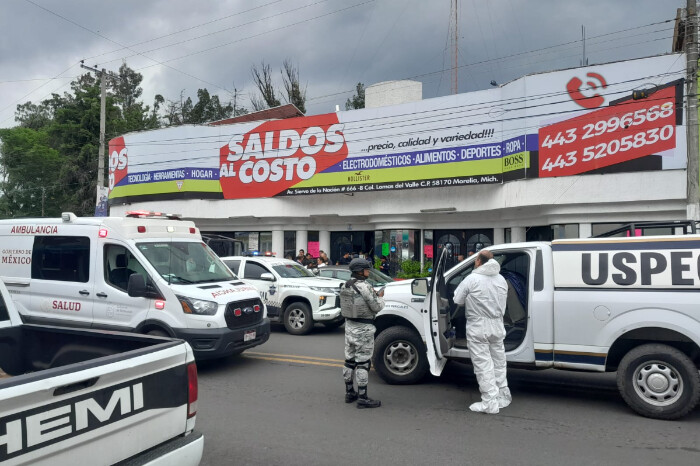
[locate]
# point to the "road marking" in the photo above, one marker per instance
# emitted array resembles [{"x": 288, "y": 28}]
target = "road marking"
[
  {"x": 300, "y": 361},
  {"x": 293, "y": 356}
]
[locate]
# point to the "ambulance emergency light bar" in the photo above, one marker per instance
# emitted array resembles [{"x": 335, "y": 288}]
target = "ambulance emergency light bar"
[{"x": 149, "y": 214}]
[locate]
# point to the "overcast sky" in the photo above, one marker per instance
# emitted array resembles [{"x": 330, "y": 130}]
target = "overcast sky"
[{"x": 184, "y": 45}]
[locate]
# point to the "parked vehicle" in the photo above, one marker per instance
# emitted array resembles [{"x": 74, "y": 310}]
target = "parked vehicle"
[
  {"x": 72, "y": 396},
  {"x": 146, "y": 273},
  {"x": 293, "y": 294},
  {"x": 342, "y": 272},
  {"x": 224, "y": 246},
  {"x": 628, "y": 305}
]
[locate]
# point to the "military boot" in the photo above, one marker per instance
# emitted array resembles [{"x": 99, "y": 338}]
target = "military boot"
[
  {"x": 350, "y": 393},
  {"x": 366, "y": 402}
]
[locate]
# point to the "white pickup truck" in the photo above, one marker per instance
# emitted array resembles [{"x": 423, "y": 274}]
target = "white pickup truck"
[
  {"x": 629, "y": 305},
  {"x": 72, "y": 396},
  {"x": 292, "y": 293}
]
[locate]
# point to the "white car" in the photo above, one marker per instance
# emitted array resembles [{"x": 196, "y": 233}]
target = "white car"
[{"x": 292, "y": 293}]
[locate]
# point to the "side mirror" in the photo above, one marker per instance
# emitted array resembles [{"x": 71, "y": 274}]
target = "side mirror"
[
  {"x": 419, "y": 287},
  {"x": 267, "y": 276},
  {"x": 137, "y": 286}
]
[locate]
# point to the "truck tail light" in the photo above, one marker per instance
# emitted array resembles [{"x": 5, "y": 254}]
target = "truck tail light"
[
  {"x": 141, "y": 229},
  {"x": 256, "y": 308},
  {"x": 237, "y": 312},
  {"x": 193, "y": 390},
  {"x": 192, "y": 230}
]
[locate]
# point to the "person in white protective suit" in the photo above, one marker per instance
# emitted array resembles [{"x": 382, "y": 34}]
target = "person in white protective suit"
[{"x": 484, "y": 294}]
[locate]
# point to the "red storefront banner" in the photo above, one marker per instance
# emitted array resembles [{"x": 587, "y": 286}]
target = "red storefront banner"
[
  {"x": 625, "y": 131},
  {"x": 279, "y": 154}
]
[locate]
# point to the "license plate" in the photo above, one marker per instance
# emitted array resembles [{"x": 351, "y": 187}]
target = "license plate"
[{"x": 249, "y": 335}]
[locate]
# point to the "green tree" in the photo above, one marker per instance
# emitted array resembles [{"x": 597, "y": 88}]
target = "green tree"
[
  {"x": 208, "y": 108},
  {"x": 29, "y": 166},
  {"x": 358, "y": 99},
  {"x": 49, "y": 161}
]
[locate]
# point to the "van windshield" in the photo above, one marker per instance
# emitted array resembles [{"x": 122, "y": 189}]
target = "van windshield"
[{"x": 185, "y": 262}]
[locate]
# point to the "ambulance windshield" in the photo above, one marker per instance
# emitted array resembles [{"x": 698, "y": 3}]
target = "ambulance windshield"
[{"x": 185, "y": 262}]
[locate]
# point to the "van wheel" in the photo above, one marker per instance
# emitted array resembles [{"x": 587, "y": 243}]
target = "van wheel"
[
  {"x": 298, "y": 319},
  {"x": 157, "y": 333},
  {"x": 400, "y": 356},
  {"x": 659, "y": 381}
]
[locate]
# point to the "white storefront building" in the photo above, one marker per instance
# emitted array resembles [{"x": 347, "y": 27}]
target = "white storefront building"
[{"x": 562, "y": 154}]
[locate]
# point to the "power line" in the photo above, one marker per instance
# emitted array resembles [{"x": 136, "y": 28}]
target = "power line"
[
  {"x": 449, "y": 112},
  {"x": 260, "y": 34},
  {"x": 185, "y": 29}
]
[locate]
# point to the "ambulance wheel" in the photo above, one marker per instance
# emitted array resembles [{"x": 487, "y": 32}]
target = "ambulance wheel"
[
  {"x": 400, "y": 356},
  {"x": 157, "y": 333},
  {"x": 659, "y": 381},
  {"x": 298, "y": 319}
]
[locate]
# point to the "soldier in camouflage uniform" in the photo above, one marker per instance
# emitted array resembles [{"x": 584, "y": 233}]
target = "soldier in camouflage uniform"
[{"x": 359, "y": 304}]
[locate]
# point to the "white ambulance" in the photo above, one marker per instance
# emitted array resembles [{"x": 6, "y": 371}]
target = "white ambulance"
[
  {"x": 630, "y": 305},
  {"x": 147, "y": 273}
]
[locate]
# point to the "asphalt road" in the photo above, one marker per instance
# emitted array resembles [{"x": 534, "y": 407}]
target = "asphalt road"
[{"x": 282, "y": 403}]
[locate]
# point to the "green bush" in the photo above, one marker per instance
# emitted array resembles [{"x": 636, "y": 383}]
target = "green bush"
[{"x": 411, "y": 269}]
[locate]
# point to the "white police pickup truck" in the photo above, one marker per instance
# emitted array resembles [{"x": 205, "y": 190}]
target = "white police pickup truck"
[
  {"x": 292, "y": 293},
  {"x": 629, "y": 305},
  {"x": 90, "y": 397}
]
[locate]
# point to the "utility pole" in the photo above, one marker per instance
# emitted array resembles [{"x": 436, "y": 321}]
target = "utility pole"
[
  {"x": 101, "y": 156},
  {"x": 455, "y": 43},
  {"x": 584, "y": 60},
  {"x": 691, "y": 50}
]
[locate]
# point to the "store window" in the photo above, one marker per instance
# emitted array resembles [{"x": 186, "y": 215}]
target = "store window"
[
  {"x": 551, "y": 232},
  {"x": 598, "y": 229},
  {"x": 290, "y": 244}
]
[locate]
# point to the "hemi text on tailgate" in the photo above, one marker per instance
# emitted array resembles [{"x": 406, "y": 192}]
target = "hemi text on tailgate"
[{"x": 39, "y": 427}]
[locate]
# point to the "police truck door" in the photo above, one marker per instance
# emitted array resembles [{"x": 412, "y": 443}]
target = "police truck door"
[{"x": 437, "y": 319}]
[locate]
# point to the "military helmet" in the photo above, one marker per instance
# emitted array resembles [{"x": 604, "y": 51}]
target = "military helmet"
[{"x": 358, "y": 265}]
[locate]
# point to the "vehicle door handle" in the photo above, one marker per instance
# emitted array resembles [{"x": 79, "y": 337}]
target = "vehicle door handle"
[
  {"x": 101, "y": 295},
  {"x": 84, "y": 292}
]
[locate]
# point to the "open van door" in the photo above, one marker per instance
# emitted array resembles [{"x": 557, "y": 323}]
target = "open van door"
[{"x": 437, "y": 319}]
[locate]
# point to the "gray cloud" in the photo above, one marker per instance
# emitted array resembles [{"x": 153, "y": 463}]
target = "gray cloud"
[{"x": 377, "y": 41}]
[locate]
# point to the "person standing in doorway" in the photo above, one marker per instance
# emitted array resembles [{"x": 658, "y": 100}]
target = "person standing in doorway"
[
  {"x": 484, "y": 294},
  {"x": 359, "y": 304},
  {"x": 345, "y": 260}
]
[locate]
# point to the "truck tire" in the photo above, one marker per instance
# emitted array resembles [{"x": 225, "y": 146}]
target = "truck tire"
[
  {"x": 400, "y": 356},
  {"x": 659, "y": 381},
  {"x": 157, "y": 333},
  {"x": 298, "y": 319}
]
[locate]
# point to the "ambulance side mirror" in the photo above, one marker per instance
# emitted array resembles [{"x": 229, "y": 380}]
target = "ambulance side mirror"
[
  {"x": 142, "y": 287},
  {"x": 137, "y": 286}
]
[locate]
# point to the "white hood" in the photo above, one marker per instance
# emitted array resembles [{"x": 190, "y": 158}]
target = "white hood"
[
  {"x": 321, "y": 282},
  {"x": 219, "y": 292}
]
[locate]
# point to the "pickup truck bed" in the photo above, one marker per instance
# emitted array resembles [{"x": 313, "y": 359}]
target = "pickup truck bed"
[{"x": 70, "y": 396}]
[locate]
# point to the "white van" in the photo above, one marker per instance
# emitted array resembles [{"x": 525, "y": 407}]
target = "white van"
[{"x": 147, "y": 273}]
